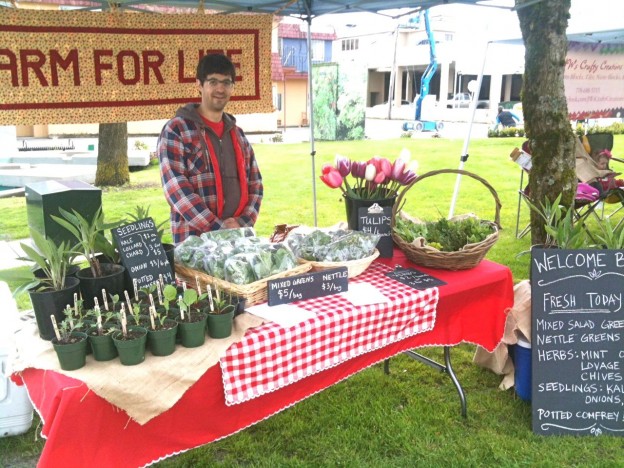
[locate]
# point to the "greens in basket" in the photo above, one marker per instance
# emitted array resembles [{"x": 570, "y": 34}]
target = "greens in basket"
[
  {"x": 445, "y": 235},
  {"x": 337, "y": 245},
  {"x": 235, "y": 256}
]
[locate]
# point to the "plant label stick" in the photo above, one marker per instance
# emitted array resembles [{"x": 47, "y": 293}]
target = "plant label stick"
[
  {"x": 136, "y": 289},
  {"x": 181, "y": 308},
  {"x": 197, "y": 285},
  {"x": 161, "y": 280},
  {"x": 151, "y": 299},
  {"x": 68, "y": 312},
  {"x": 184, "y": 286},
  {"x": 55, "y": 326},
  {"x": 105, "y": 300},
  {"x": 76, "y": 304},
  {"x": 210, "y": 300},
  {"x": 152, "y": 313},
  {"x": 124, "y": 330},
  {"x": 96, "y": 303},
  {"x": 160, "y": 300},
  {"x": 98, "y": 319},
  {"x": 128, "y": 300}
]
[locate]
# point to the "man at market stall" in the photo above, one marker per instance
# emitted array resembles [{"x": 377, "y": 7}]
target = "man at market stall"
[{"x": 208, "y": 168}]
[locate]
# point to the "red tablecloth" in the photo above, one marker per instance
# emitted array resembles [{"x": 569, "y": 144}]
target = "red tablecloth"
[{"x": 82, "y": 429}]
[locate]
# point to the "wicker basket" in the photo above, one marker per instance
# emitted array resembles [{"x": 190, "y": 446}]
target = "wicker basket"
[
  {"x": 469, "y": 256},
  {"x": 354, "y": 267},
  {"x": 255, "y": 292}
]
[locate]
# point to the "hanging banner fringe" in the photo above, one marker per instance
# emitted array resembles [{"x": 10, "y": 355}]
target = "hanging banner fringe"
[{"x": 59, "y": 67}]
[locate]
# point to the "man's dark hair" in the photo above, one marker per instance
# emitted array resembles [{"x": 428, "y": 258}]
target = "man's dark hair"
[
  {"x": 500, "y": 109},
  {"x": 215, "y": 63}
]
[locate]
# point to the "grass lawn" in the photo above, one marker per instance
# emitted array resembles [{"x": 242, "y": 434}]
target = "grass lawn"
[{"x": 410, "y": 418}]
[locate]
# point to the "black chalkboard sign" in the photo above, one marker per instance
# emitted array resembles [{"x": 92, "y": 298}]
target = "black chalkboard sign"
[
  {"x": 376, "y": 219},
  {"x": 142, "y": 252},
  {"x": 308, "y": 285},
  {"x": 577, "y": 341},
  {"x": 414, "y": 278}
]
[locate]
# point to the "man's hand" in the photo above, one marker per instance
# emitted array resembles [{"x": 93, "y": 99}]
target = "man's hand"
[{"x": 230, "y": 223}]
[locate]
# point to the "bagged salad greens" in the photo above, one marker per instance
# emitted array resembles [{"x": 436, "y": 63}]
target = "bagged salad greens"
[
  {"x": 331, "y": 245},
  {"x": 234, "y": 257}
]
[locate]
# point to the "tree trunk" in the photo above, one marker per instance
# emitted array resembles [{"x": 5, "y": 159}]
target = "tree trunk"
[
  {"x": 112, "y": 162},
  {"x": 544, "y": 104}
]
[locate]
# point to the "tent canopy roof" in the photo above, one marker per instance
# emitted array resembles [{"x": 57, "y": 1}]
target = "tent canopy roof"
[{"x": 304, "y": 9}]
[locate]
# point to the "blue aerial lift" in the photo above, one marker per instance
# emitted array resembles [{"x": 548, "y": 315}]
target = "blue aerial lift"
[{"x": 418, "y": 124}]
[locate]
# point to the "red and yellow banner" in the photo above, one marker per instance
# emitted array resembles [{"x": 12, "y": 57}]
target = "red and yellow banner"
[{"x": 94, "y": 67}]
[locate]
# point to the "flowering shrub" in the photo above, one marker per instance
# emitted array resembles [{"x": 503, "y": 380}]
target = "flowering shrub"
[{"x": 371, "y": 180}]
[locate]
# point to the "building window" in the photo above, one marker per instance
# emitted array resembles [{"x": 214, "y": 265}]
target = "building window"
[
  {"x": 318, "y": 50},
  {"x": 350, "y": 44},
  {"x": 277, "y": 101}
]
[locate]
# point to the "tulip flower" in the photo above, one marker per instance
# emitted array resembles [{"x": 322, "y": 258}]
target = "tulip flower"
[
  {"x": 371, "y": 172},
  {"x": 405, "y": 155},
  {"x": 343, "y": 165},
  {"x": 372, "y": 180},
  {"x": 397, "y": 169},
  {"x": 331, "y": 177}
]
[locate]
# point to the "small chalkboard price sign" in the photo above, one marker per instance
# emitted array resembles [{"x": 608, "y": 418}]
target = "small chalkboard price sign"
[
  {"x": 308, "y": 286},
  {"x": 376, "y": 220},
  {"x": 142, "y": 252},
  {"x": 414, "y": 278},
  {"x": 577, "y": 341}
]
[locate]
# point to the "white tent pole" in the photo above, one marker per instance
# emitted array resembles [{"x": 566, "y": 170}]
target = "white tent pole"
[
  {"x": 473, "y": 108},
  {"x": 311, "y": 119}
]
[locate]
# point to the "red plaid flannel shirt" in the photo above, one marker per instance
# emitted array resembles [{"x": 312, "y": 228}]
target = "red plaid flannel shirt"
[{"x": 188, "y": 177}]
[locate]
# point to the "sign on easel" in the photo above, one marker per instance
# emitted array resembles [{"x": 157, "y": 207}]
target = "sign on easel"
[
  {"x": 376, "y": 220},
  {"x": 577, "y": 341},
  {"x": 142, "y": 252}
]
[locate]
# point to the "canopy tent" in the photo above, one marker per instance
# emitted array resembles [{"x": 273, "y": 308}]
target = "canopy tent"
[{"x": 305, "y": 10}]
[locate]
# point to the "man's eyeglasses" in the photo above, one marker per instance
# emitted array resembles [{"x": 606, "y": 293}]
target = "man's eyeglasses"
[{"x": 213, "y": 83}]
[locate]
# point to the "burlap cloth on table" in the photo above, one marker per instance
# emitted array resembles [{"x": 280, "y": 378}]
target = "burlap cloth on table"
[
  {"x": 166, "y": 377},
  {"x": 518, "y": 324}
]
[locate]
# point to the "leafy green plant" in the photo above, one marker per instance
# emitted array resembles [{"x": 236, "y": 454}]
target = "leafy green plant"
[
  {"x": 141, "y": 212},
  {"x": 562, "y": 230},
  {"x": 610, "y": 237},
  {"x": 90, "y": 234},
  {"x": 53, "y": 260},
  {"x": 445, "y": 235},
  {"x": 170, "y": 294}
]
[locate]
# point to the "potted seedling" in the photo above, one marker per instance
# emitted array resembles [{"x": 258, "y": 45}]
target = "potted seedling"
[
  {"x": 130, "y": 341},
  {"x": 91, "y": 241},
  {"x": 220, "y": 314},
  {"x": 161, "y": 334},
  {"x": 191, "y": 321},
  {"x": 100, "y": 335},
  {"x": 70, "y": 345},
  {"x": 54, "y": 289}
]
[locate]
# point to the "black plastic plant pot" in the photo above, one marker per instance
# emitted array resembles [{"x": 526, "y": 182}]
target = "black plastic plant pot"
[
  {"x": 49, "y": 302},
  {"x": 112, "y": 280}
]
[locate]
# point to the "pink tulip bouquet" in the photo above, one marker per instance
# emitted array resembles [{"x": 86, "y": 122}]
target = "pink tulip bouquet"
[{"x": 374, "y": 179}]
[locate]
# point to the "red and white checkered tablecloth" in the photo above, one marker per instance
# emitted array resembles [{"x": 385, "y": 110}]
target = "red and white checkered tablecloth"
[{"x": 270, "y": 357}]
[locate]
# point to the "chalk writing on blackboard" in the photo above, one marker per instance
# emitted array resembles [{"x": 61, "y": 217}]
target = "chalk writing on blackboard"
[
  {"x": 376, "y": 220},
  {"x": 142, "y": 252},
  {"x": 414, "y": 278},
  {"x": 577, "y": 336},
  {"x": 308, "y": 285}
]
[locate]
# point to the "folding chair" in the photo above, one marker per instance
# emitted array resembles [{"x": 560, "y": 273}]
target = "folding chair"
[{"x": 597, "y": 143}]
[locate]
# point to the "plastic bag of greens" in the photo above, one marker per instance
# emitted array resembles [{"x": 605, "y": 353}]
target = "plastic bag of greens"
[
  {"x": 282, "y": 258},
  {"x": 214, "y": 264},
  {"x": 238, "y": 269},
  {"x": 352, "y": 245},
  {"x": 261, "y": 263},
  {"x": 229, "y": 234}
]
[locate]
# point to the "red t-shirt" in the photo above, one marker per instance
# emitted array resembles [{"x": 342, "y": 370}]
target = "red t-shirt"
[{"x": 216, "y": 126}]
